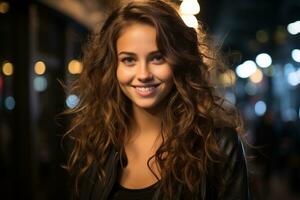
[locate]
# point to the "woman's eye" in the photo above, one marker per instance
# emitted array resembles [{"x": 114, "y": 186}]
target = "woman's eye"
[
  {"x": 158, "y": 59},
  {"x": 128, "y": 61}
]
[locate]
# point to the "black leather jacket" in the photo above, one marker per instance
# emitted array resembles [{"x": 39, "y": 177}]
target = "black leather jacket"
[{"x": 235, "y": 174}]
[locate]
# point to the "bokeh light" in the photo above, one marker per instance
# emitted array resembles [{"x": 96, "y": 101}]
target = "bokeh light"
[
  {"x": 39, "y": 68},
  {"x": 4, "y": 7},
  {"x": 257, "y": 76},
  {"x": 40, "y": 83},
  {"x": 190, "y": 20},
  {"x": 262, "y": 36},
  {"x": 9, "y": 103},
  {"x": 263, "y": 60},
  {"x": 289, "y": 114},
  {"x": 246, "y": 69},
  {"x": 189, "y": 7},
  {"x": 293, "y": 79},
  {"x": 294, "y": 28},
  {"x": 72, "y": 101},
  {"x": 296, "y": 55},
  {"x": 7, "y": 68},
  {"x": 75, "y": 67},
  {"x": 289, "y": 68},
  {"x": 260, "y": 108},
  {"x": 228, "y": 78}
]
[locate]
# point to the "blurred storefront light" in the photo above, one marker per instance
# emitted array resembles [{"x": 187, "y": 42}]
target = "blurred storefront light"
[
  {"x": 246, "y": 69},
  {"x": 296, "y": 55},
  {"x": 7, "y": 69},
  {"x": 263, "y": 60},
  {"x": 189, "y": 7},
  {"x": 260, "y": 108},
  {"x": 75, "y": 67},
  {"x": 294, "y": 28},
  {"x": 39, "y": 68},
  {"x": 72, "y": 101}
]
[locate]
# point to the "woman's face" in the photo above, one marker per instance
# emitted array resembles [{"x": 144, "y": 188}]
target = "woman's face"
[{"x": 143, "y": 73}]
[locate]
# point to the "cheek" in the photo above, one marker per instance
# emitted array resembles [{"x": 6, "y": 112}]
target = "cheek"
[
  {"x": 164, "y": 73},
  {"x": 123, "y": 75}
]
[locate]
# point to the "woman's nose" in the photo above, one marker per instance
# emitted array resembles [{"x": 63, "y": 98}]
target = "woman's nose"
[{"x": 144, "y": 73}]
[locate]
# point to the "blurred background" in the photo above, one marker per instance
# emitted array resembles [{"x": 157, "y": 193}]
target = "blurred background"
[{"x": 40, "y": 45}]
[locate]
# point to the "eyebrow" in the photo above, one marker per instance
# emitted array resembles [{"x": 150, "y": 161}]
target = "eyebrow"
[{"x": 133, "y": 54}]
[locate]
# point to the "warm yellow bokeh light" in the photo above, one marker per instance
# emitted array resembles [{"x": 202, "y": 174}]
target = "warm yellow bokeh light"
[
  {"x": 257, "y": 76},
  {"x": 7, "y": 68},
  {"x": 39, "y": 68},
  {"x": 280, "y": 35},
  {"x": 228, "y": 78},
  {"x": 75, "y": 67},
  {"x": 4, "y": 7},
  {"x": 262, "y": 36}
]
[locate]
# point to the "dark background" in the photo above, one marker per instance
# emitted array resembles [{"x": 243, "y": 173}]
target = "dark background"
[{"x": 53, "y": 31}]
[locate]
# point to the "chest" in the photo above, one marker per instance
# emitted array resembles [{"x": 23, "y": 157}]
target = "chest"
[{"x": 141, "y": 169}]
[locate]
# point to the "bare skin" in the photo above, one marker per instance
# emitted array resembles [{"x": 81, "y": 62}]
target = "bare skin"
[
  {"x": 140, "y": 147},
  {"x": 146, "y": 79}
]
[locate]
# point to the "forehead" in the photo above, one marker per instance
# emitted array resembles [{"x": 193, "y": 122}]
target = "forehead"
[{"x": 136, "y": 35}]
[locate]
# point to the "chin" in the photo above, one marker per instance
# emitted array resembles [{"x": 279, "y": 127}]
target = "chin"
[{"x": 146, "y": 106}]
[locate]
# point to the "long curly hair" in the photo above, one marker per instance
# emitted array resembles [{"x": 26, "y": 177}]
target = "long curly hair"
[{"x": 189, "y": 151}]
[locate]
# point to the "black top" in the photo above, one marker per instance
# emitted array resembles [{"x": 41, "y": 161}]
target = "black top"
[
  {"x": 121, "y": 193},
  {"x": 235, "y": 175}
]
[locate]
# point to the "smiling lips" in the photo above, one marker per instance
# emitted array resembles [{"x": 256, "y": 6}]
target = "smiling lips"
[{"x": 146, "y": 91}]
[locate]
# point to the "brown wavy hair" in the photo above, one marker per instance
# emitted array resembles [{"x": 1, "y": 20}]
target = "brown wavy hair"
[{"x": 191, "y": 114}]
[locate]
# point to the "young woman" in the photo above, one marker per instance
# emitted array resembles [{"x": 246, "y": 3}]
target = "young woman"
[{"x": 149, "y": 124}]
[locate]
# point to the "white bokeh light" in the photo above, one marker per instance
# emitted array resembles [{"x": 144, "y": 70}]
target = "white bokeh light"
[
  {"x": 294, "y": 28},
  {"x": 296, "y": 55},
  {"x": 189, "y": 7},
  {"x": 246, "y": 69},
  {"x": 190, "y": 20},
  {"x": 293, "y": 79},
  {"x": 263, "y": 60}
]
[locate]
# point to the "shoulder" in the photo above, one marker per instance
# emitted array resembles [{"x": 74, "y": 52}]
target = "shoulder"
[
  {"x": 235, "y": 173},
  {"x": 229, "y": 140},
  {"x": 232, "y": 147}
]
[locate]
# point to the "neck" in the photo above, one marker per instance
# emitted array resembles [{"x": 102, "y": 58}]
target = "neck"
[{"x": 146, "y": 122}]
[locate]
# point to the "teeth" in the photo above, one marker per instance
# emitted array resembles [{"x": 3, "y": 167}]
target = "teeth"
[{"x": 145, "y": 89}]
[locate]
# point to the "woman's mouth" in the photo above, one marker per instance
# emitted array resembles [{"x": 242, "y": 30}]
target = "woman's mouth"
[{"x": 146, "y": 91}]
